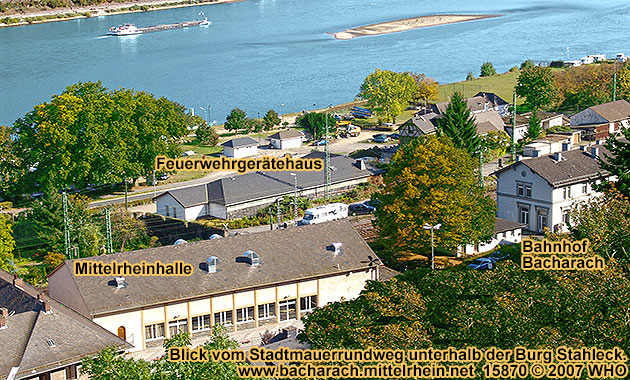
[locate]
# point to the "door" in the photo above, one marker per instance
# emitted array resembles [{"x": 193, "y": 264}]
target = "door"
[{"x": 122, "y": 333}]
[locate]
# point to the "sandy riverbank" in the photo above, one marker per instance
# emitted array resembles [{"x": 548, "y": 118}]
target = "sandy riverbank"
[
  {"x": 103, "y": 9},
  {"x": 406, "y": 24}
]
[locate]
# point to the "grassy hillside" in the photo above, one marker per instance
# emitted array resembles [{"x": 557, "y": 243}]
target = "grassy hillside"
[{"x": 502, "y": 85}]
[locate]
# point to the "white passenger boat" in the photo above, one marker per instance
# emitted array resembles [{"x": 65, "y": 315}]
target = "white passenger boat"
[{"x": 124, "y": 30}]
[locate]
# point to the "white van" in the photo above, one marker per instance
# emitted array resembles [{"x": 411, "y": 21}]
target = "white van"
[{"x": 325, "y": 213}]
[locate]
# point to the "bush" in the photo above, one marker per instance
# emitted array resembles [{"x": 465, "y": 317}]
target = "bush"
[
  {"x": 470, "y": 76},
  {"x": 487, "y": 70}
]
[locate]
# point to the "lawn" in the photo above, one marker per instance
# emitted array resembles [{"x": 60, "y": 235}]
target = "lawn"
[{"x": 501, "y": 84}]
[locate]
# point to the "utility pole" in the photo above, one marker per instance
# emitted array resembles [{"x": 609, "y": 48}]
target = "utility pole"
[
  {"x": 513, "y": 148},
  {"x": 125, "y": 180},
  {"x": 66, "y": 224},
  {"x": 295, "y": 193},
  {"x": 108, "y": 225},
  {"x": 278, "y": 213},
  {"x": 615, "y": 82},
  {"x": 327, "y": 161}
]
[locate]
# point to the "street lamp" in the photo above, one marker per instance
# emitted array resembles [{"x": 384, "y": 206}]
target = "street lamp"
[
  {"x": 295, "y": 207},
  {"x": 427, "y": 226},
  {"x": 207, "y": 111}
]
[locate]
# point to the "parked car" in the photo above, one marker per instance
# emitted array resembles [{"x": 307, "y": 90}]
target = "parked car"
[
  {"x": 349, "y": 117},
  {"x": 373, "y": 203},
  {"x": 163, "y": 176},
  {"x": 394, "y": 136},
  {"x": 320, "y": 142},
  {"x": 486, "y": 263},
  {"x": 380, "y": 138},
  {"x": 360, "y": 209}
]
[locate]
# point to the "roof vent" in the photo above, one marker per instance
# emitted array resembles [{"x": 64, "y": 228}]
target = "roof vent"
[
  {"x": 518, "y": 158},
  {"x": 51, "y": 343},
  {"x": 594, "y": 151},
  {"x": 336, "y": 247},
  {"x": 215, "y": 236},
  {"x": 252, "y": 258},
  {"x": 360, "y": 164},
  {"x": 557, "y": 156},
  {"x": 120, "y": 283},
  {"x": 211, "y": 263},
  {"x": 180, "y": 241}
]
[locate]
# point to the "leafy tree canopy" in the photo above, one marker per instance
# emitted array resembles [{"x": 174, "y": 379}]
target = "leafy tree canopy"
[
  {"x": 431, "y": 181},
  {"x": 388, "y": 93},
  {"x": 236, "y": 120},
  {"x": 109, "y": 365},
  {"x": 585, "y": 86},
  {"x": 495, "y": 144},
  {"x": 315, "y": 123},
  {"x": 6, "y": 244},
  {"x": 88, "y": 134},
  {"x": 207, "y": 135},
  {"x": 617, "y": 162},
  {"x": 271, "y": 119},
  {"x": 428, "y": 88},
  {"x": 537, "y": 85},
  {"x": 470, "y": 76},
  {"x": 459, "y": 124},
  {"x": 487, "y": 70}
]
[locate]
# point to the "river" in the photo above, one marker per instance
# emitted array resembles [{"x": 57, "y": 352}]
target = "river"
[{"x": 277, "y": 54}]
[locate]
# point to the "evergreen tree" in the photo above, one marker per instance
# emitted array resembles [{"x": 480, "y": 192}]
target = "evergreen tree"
[
  {"x": 533, "y": 126},
  {"x": 271, "y": 119},
  {"x": 459, "y": 124},
  {"x": 470, "y": 76},
  {"x": 618, "y": 162}
]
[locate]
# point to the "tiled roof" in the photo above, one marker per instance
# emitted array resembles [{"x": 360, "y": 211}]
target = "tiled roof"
[
  {"x": 502, "y": 225},
  {"x": 488, "y": 121},
  {"x": 257, "y": 185},
  {"x": 285, "y": 255},
  {"x": 575, "y": 166},
  {"x": 240, "y": 142},
  {"x": 613, "y": 111},
  {"x": 24, "y": 340},
  {"x": 288, "y": 134}
]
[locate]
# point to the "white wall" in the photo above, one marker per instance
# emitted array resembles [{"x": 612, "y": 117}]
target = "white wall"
[
  {"x": 240, "y": 152},
  {"x": 508, "y": 201},
  {"x": 195, "y": 212},
  {"x": 166, "y": 202},
  {"x": 513, "y": 236},
  {"x": 292, "y": 143}
]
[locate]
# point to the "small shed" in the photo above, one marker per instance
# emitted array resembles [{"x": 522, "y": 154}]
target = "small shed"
[
  {"x": 240, "y": 147},
  {"x": 288, "y": 139}
]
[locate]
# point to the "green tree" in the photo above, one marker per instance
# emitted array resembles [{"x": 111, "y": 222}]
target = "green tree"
[
  {"x": 207, "y": 135},
  {"x": 109, "y": 365},
  {"x": 470, "y": 76},
  {"x": 254, "y": 125},
  {"x": 495, "y": 144},
  {"x": 91, "y": 135},
  {"x": 623, "y": 81},
  {"x": 487, "y": 70},
  {"x": 315, "y": 123},
  {"x": 271, "y": 119},
  {"x": 617, "y": 161},
  {"x": 388, "y": 93},
  {"x": 459, "y": 124},
  {"x": 6, "y": 244},
  {"x": 534, "y": 128},
  {"x": 431, "y": 181},
  {"x": 428, "y": 88},
  {"x": 585, "y": 86},
  {"x": 236, "y": 120},
  {"x": 537, "y": 85},
  {"x": 128, "y": 232},
  {"x": 10, "y": 164},
  {"x": 605, "y": 221},
  {"x": 527, "y": 64}
]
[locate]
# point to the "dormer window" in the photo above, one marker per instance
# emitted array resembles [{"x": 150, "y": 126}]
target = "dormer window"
[
  {"x": 252, "y": 258},
  {"x": 212, "y": 262}
]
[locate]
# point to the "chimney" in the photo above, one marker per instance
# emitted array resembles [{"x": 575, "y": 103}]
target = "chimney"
[
  {"x": 3, "y": 323},
  {"x": 17, "y": 282},
  {"x": 4, "y": 312},
  {"x": 360, "y": 164},
  {"x": 46, "y": 306},
  {"x": 594, "y": 151},
  {"x": 565, "y": 147},
  {"x": 120, "y": 282},
  {"x": 583, "y": 148},
  {"x": 557, "y": 156},
  {"x": 337, "y": 247},
  {"x": 518, "y": 157}
]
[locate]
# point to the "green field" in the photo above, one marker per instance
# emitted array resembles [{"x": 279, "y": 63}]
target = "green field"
[{"x": 501, "y": 84}]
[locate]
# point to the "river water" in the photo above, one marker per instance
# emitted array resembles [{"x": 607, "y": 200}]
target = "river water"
[{"x": 277, "y": 54}]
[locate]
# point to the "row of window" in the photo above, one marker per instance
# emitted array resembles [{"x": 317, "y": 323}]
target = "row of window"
[
  {"x": 524, "y": 190},
  {"x": 287, "y": 311},
  {"x": 174, "y": 211}
]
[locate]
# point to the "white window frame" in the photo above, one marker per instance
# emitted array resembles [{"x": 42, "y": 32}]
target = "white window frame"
[
  {"x": 523, "y": 211},
  {"x": 223, "y": 319},
  {"x": 523, "y": 190},
  {"x": 178, "y": 324},
  {"x": 287, "y": 304},
  {"x": 267, "y": 311},
  {"x": 153, "y": 330},
  {"x": 309, "y": 300},
  {"x": 199, "y": 319},
  {"x": 245, "y": 315}
]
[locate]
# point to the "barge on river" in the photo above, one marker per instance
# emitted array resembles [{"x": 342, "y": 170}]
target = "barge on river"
[{"x": 131, "y": 29}]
